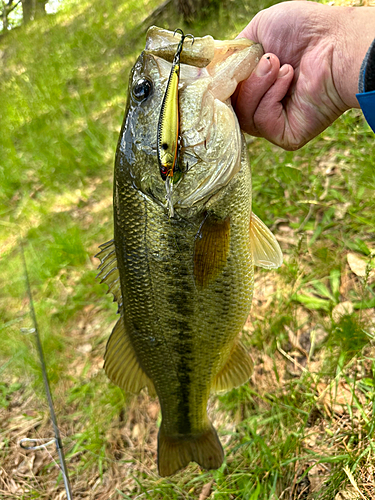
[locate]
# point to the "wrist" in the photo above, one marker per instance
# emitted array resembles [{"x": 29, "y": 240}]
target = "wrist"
[{"x": 354, "y": 38}]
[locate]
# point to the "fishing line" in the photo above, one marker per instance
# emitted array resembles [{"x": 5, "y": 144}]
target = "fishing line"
[{"x": 57, "y": 439}]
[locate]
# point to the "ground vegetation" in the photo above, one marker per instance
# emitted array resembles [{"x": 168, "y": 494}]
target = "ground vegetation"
[{"x": 303, "y": 427}]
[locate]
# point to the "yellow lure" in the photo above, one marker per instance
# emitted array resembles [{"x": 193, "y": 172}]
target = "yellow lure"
[{"x": 168, "y": 126}]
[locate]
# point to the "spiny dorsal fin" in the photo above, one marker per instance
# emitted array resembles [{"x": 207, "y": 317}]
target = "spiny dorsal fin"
[
  {"x": 266, "y": 250},
  {"x": 121, "y": 364},
  {"x": 236, "y": 371},
  {"x": 211, "y": 249},
  {"x": 109, "y": 273}
]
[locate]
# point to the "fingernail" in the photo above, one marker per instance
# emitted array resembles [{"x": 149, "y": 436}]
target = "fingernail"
[
  {"x": 264, "y": 66},
  {"x": 283, "y": 71}
]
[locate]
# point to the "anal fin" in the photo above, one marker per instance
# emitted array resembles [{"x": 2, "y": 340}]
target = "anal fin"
[
  {"x": 121, "y": 364},
  {"x": 176, "y": 453},
  {"x": 236, "y": 371}
]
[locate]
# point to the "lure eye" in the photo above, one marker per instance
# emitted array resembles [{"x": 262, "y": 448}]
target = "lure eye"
[
  {"x": 142, "y": 89},
  {"x": 163, "y": 172}
]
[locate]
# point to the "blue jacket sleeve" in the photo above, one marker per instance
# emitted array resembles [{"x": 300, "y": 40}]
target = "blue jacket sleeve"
[{"x": 366, "y": 86}]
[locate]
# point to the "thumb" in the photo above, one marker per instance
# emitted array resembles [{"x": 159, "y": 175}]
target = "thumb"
[
  {"x": 258, "y": 100},
  {"x": 270, "y": 117}
]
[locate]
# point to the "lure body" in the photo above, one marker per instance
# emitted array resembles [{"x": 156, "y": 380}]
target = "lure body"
[{"x": 168, "y": 126}]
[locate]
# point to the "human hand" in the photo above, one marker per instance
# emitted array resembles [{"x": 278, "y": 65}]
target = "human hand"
[{"x": 308, "y": 76}]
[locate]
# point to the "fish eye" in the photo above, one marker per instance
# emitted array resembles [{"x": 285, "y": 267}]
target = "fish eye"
[{"x": 142, "y": 89}]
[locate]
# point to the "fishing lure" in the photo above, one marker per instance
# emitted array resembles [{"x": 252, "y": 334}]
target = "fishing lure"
[{"x": 168, "y": 126}]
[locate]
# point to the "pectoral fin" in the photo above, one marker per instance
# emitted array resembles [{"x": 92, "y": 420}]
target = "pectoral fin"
[
  {"x": 236, "y": 371},
  {"x": 211, "y": 249},
  {"x": 121, "y": 364},
  {"x": 265, "y": 248}
]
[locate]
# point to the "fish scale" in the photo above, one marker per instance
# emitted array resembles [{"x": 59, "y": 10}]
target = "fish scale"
[
  {"x": 185, "y": 257},
  {"x": 150, "y": 289}
]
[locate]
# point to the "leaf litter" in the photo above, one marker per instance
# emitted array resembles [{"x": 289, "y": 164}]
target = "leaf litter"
[{"x": 131, "y": 438}]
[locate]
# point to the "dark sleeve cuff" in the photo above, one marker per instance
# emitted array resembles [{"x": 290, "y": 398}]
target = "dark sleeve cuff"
[
  {"x": 366, "y": 81},
  {"x": 367, "y": 102},
  {"x": 366, "y": 86}
]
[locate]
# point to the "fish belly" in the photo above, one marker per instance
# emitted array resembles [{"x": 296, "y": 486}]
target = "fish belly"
[{"x": 183, "y": 330}]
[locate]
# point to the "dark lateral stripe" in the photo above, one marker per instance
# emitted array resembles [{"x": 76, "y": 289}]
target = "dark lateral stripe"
[{"x": 180, "y": 302}]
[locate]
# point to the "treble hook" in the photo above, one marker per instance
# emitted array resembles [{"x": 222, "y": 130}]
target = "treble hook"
[{"x": 181, "y": 42}]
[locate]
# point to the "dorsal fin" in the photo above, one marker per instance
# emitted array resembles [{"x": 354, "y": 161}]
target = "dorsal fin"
[
  {"x": 265, "y": 248},
  {"x": 109, "y": 273}
]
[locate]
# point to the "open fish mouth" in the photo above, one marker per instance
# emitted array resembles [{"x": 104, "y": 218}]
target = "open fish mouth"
[{"x": 210, "y": 137}]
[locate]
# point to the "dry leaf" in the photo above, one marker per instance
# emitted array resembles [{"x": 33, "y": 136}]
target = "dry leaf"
[
  {"x": 357, "y": 264},
  {"x": 341, "y": 209},
  {"x": 136, "y": 431},
  {"x": 318, "y": 335},
  {"x": 84, "y": 348},
  {"x": 317, "y": 475},
  {"x": 153, "y": 410},
  {"x": 348, "y": 494},
  {"x": 342, "y": 309},
  {"x": 293, "y": 339},
  {"x": 335, "y": 396},
  {"x": 206, "y": 491},
  {"x": 353, "y": 481}
]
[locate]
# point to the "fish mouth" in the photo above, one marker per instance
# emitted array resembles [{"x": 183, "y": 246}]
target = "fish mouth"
[
  {"x": 210, "y": 153},
  {"x": 227, "y": 62}
]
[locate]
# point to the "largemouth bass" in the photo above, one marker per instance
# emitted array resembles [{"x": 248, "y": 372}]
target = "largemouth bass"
[{"x": 183, "y": 279}]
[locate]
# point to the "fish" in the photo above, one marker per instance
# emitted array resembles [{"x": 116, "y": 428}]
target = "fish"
[{"x": 183, "y": 278}]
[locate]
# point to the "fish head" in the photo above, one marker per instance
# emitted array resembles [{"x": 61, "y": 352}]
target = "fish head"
[
  {"x": 210, "y": 137},
  {"x": 136, "y": 150}
]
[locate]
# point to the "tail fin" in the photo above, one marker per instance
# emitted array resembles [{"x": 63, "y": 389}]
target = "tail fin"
[{"x": 176, "y": 453}]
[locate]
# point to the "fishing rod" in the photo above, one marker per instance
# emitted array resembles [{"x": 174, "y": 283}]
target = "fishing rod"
[{"x": 57, "y": 439}]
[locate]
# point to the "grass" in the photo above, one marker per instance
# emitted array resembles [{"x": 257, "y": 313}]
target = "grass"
[{"x": 303, "y": 426}]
